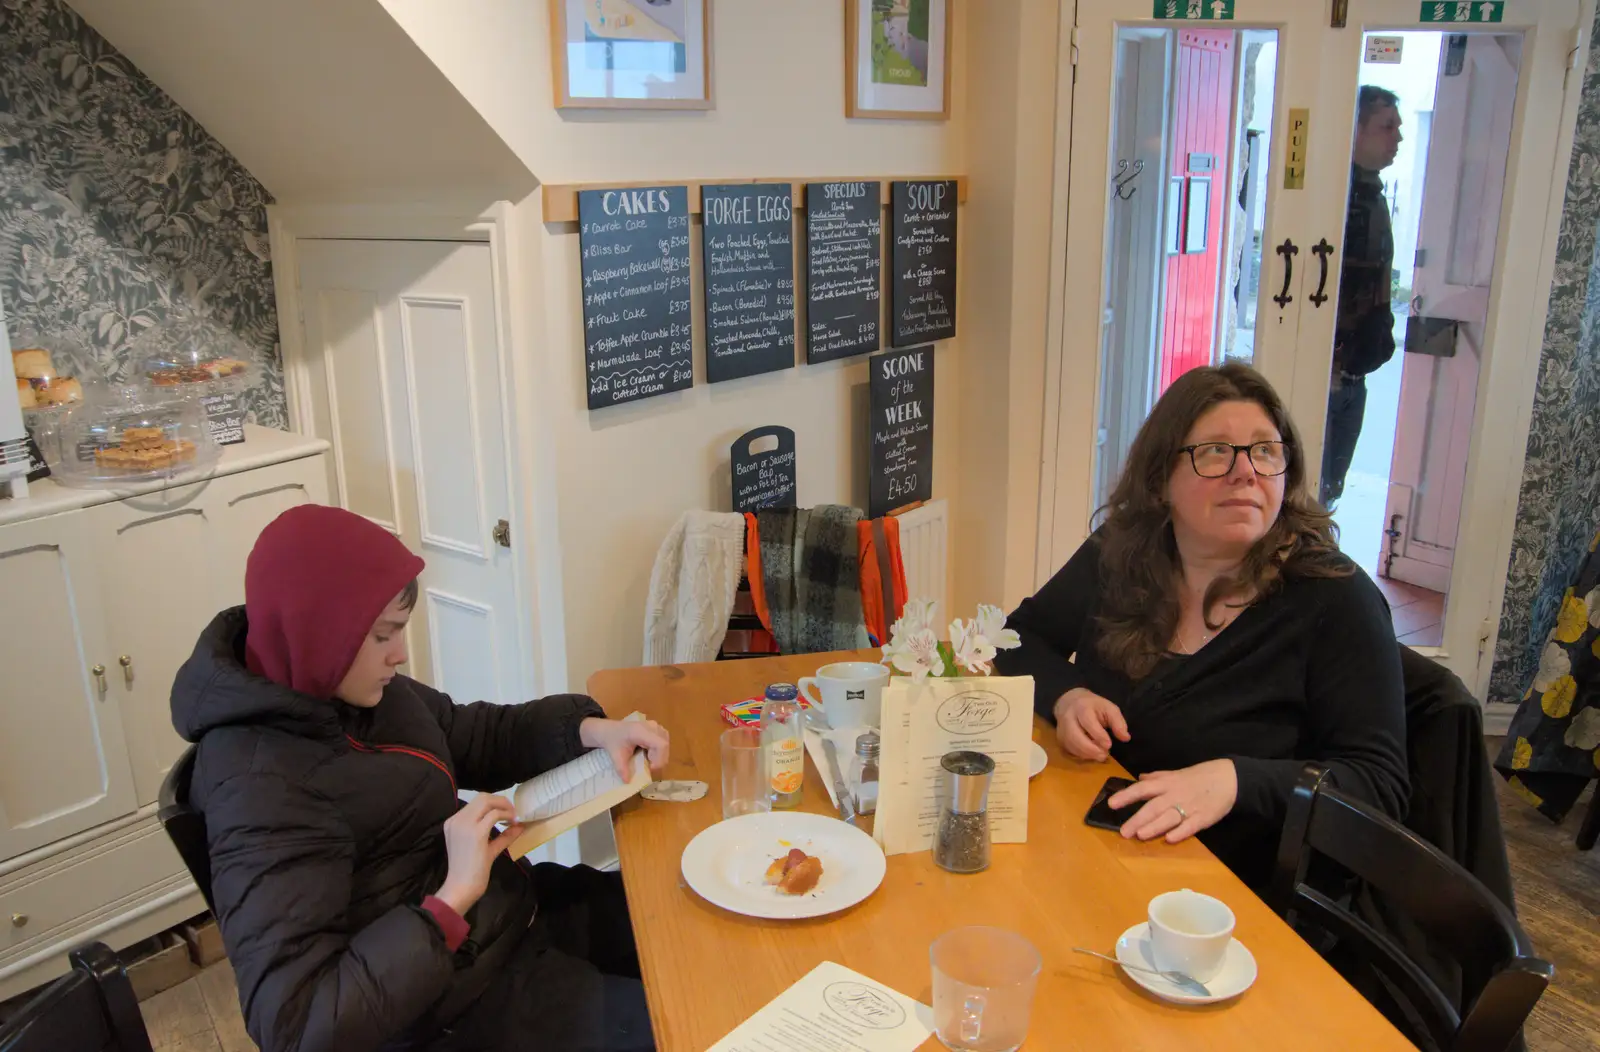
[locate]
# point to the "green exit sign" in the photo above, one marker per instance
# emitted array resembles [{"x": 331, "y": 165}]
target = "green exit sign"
[
  {"x": 1195, "y": 10},
  {"x": 1461, "y": 11}
]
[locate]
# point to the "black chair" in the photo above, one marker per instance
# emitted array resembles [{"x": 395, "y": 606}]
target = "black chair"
[
  {"x": 185, "y": 826},
  {"x": 1456, "y": 912},
  {"x": 90, "y": 1009}
]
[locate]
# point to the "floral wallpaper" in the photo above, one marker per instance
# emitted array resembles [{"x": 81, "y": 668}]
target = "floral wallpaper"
[
  {"x": 1559, "y": 507},
  {"x": 118, "y": 210}
]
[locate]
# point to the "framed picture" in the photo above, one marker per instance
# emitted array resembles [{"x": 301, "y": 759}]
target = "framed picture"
[
  {"x": 631, "y": 54},
  {"x": 897, "y": 59}
]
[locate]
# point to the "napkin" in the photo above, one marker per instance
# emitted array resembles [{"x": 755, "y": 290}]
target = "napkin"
[{"x": 844, "y": 746}]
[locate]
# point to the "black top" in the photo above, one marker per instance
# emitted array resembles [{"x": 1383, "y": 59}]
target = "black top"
[
  {"x": 1311, "y": 672},
  {"x": 1364, "y": 332}
]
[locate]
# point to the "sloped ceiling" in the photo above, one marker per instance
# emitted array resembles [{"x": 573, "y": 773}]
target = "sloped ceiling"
[{"x": 322, "y": 100}]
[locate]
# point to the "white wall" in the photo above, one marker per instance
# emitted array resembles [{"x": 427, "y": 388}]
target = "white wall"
[{"x": 624, "y": 474}]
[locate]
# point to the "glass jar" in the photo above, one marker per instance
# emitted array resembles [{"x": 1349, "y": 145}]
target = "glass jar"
[{"x": 130, "y": 434}]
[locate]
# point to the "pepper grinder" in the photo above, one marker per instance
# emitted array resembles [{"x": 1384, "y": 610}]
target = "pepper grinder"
[{"x": 962, "y": 842}]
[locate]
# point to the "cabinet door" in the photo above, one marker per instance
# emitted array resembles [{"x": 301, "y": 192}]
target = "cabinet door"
[
  {"x": 63, "y": 761},
  {"x": 161, "y": 577},
  {"x": 242, "y": 505}
]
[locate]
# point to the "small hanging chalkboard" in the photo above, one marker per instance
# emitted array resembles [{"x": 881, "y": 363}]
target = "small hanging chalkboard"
[
  {"x": 765, "y": 479},
  {"x": 900, "y": 461},
  {"x": 844, "y": 269},
  {"x": 224, "y": 418},
  {"x": 748, "y": 255},
  {"x": 922, "y": 302},
  {"x": 638, "y": 339}
]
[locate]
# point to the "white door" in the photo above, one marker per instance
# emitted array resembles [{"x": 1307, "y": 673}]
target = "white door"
[
  {"x": 408, "y": 385},
  {"x": 63, "y": 761}
]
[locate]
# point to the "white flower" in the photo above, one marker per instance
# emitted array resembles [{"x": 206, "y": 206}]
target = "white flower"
[
  {"x": 916, "y": 653},
  {"x": 972, "y": 650},
  {"x": 917, "y": 615},
  {"x": 991, "y": 625}
]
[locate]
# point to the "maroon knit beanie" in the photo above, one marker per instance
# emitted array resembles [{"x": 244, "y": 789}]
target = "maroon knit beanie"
[{"x": 314, "y": 584}]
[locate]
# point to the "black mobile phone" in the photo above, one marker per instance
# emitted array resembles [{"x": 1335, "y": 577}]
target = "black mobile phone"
[{"x": 1101, "y": 814}]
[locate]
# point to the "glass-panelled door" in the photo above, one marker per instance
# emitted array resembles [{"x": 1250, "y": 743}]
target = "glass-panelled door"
[{"x": 1365, "y": 213}]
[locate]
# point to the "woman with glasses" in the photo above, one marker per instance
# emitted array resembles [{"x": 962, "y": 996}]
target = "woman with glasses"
[{"x": 1211, "y": 637}]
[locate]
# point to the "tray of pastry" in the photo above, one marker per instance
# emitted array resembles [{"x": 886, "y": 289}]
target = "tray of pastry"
[
  {"x": 128, "y": 435},
  {"x": 40, "y": 385}
]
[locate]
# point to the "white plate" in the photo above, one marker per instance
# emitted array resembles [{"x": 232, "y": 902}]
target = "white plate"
[
  {"x": 1238, "y": 970},
  {"x": 727, "y": 864},
  {"x": 1037, "y": 758}
]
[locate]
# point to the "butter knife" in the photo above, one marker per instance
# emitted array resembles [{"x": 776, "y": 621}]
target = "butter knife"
[{"x": 847, "y": 810}]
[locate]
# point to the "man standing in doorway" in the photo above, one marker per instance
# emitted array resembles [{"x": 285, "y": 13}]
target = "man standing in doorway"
[{"x": 1364, "y": 332}]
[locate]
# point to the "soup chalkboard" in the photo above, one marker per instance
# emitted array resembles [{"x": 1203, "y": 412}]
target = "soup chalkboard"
[
  {"x": 638, "y": 339},
  {"x": 923, "y": 260},
  {"x": 900, "y": 398},
  {"x": 748, "y": 256},
  {"x": 844, "y": 264},
  {"x": 765, "y": 479}
]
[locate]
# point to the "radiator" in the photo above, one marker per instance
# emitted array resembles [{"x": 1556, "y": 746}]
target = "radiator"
[{"x": 924, "y": 548}]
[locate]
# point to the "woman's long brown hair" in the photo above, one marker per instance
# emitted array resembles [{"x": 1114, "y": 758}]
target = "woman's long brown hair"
[{"x": 1139, "y": 567}]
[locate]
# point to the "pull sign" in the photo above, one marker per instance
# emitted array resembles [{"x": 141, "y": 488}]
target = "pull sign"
[
  {"x": 1436, "y": 11},
  {"x": 1294, "y": 167}
]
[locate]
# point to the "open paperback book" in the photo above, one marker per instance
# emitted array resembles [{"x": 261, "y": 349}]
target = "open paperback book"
[{"x": 565, "y": 797}]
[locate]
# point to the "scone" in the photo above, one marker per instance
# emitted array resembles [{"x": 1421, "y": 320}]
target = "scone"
[
  {"x": 63, "y": 390},
  {"x": 25, "y": 394},
  {"x": 31, "y": 363}
]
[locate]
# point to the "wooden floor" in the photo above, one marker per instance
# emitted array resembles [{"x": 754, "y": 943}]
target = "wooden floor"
[
  {"x": 1558, "y": 898},
  {"x": 1418, "y": 613}
]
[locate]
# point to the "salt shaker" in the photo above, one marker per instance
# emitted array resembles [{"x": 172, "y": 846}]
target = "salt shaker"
[
  {"x": 864, "y": 773},
  {"x": 961, "y": 844}
]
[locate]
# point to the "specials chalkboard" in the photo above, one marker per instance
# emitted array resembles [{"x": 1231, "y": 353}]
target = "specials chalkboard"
[
  {"x": 638, "y": 339},
  {"x": 765, "y": 479},
  {"x": 900, "y": 399},
  {"x": 922, "y": 284},
  {"x": 844, "y": 264},
  {"x": 748, "y": 257}
]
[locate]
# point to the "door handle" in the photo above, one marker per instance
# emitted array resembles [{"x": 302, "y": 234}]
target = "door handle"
[
  {"x": 1322, "y": 250},
  {"x": 502, "y": 533},
  {"x": 99, "y": 673},
  {"x": 127, "y": 669},
  {"x": 1288, "y": 250}
]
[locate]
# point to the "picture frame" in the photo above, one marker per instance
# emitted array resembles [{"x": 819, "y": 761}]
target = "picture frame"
[
  {"x": 897, "y": 59},
  {"x": 631, "y": 54}
]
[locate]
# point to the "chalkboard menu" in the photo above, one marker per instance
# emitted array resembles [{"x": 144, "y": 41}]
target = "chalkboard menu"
[
  {"x": 638, "y": 339},
  {"x": 844, "y": 263},
  {"x": 765, "y": 479},
  {"x": 748, "y": 255},
  {"x": 224, "y": 418},
  {"x": 923, "y": 285},
  {"x": 900, "y": 463}
]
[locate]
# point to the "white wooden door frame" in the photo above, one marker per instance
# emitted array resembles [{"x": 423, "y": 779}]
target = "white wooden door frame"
[{"x": 535, "y": 548}]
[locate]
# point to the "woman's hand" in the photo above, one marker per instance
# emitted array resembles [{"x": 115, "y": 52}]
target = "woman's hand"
[
  {"x": 621, "y": 738},
  {"x": 1179, "y": 803},
  {"x": 1085, "y": 722},
  {"x": 471, "y": 845}
]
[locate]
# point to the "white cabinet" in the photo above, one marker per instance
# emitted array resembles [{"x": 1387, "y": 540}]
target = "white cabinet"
[{"x": 103, "y": 596}]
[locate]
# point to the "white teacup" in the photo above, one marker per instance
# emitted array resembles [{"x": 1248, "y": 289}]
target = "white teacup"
[
  {"x": 1189, "y": 933},
  {"x": 852, "y": 693}
]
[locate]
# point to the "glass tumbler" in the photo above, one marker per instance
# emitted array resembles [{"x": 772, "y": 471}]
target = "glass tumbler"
[
  {"x": 744, "y": 773},
  {"x": 983, "y": 983}
]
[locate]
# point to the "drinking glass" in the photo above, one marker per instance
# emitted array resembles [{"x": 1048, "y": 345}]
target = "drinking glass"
[
  {"x": 744, "y": 773},
  {"x": 983, "y": 983}
]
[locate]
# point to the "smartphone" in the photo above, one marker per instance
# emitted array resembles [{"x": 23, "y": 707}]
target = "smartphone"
[{"x": 1101, "y": 814}]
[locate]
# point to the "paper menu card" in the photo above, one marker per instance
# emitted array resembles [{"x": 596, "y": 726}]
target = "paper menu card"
[
  {"x": 833, "y": 1009},
  {"x": 923, "y": 721},
  {"x": 567, "y": 796}
]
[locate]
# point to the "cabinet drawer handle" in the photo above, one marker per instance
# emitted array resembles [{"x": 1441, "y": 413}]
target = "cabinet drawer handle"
[
  {"x": 301, "y": 486},
  {"x": 127, "y": 669},
  {"x": 99, "y": 672},
  {"x": 18, "y": 920}
]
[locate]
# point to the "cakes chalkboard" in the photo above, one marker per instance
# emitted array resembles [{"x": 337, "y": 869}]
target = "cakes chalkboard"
[
  {"x": 923, "y": 261},
  {"x": 900, "y": 462},
  {"x": 748, "y": 257},
  {"x": 765, "y": 479},
  {"x": 844, "y": 263},
  {"x": 224, "y": 418},
  {"x": 638, "y": 339}
]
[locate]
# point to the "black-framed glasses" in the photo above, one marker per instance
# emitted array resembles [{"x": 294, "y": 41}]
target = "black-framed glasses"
[{"x": 1212, "y": 460}]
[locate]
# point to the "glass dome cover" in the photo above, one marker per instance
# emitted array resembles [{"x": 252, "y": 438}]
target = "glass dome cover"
[
  {"x": 53, "y": 370},
  {"x": 192, "y": 349},
  {"x": 130, "y": 434}
]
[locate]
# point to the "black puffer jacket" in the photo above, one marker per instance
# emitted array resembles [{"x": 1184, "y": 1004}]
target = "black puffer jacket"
[{"x": 325, "y": 824}]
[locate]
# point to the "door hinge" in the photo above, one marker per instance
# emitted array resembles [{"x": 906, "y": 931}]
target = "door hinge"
[
  {"x": 1485, "y": 630},
  {"x": 502, "y": 533},
  {"x": 1575, "y": 44},
  {"x": 1074, "y": 45}
]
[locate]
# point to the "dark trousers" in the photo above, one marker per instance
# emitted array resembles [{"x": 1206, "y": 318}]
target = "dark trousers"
[
  {"x": 1347, "y": 404},
  {"x": 573, "y": 983}
]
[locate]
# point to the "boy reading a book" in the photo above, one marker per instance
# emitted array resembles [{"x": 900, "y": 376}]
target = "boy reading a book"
[{"x": 363, "y": 906}]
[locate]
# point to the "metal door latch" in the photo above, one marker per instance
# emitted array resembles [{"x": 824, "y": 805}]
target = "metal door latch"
[{"x": 502, "y": 533}]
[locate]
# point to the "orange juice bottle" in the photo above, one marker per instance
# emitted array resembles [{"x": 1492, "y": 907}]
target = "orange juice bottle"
[{"x": 784, "y": 744}]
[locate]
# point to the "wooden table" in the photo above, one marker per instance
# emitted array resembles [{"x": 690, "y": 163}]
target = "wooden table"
[{"x": 707, "y": 970}]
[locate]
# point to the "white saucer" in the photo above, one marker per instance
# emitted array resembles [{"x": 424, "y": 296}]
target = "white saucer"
[
  {"x": 1237, "y": 975},
  {"x": 1037, "y": 758}
]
